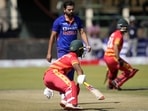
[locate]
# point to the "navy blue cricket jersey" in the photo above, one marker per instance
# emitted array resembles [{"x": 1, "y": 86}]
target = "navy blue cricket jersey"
[{"x": 67, "y": 32}]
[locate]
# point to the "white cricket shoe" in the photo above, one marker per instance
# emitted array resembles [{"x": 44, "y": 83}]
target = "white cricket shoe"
[
  {"x": 72, "y": 107},
  {"x": 63, "y": 100},
  {"x": 63, "y": 103},
  {"x": 48, "y": 93}
]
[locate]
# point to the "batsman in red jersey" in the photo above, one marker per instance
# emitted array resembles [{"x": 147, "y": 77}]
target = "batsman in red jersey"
[
  {"x": 113, "y": 60},
  {"x": 56, "y": 78}
]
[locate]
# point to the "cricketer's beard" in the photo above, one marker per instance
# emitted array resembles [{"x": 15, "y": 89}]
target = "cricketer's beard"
[{"x": 70, "y": 14}]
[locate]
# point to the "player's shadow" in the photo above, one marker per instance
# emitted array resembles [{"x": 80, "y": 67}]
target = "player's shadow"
[
  {"x": 98, "y": 103},
  {"x": 134, "y": 89},
  {"x": 92, "y": 109},
  {"x": 86, "y": 109},
  {"x": 97, "y": 109}
]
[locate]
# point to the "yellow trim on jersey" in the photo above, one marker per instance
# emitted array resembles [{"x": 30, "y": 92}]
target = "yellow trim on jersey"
[
  {"x": 75, "y": 62},
  {"x": 58, "y": 65},
  {"x": 61, "y": 76},
  {"x": 110, "y": 50},
  {"x": 109, "y": 54},
  {"x": 117, "y": 41}
]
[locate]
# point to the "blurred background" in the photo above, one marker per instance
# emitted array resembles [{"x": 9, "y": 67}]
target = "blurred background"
[{"x": 25, "y": 26}]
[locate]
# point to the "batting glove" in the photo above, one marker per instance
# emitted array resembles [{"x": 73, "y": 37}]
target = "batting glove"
[{"x": 81, "y": 79}]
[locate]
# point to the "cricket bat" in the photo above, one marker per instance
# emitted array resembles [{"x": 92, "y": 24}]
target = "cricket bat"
[{"x": 94, "y": 91}]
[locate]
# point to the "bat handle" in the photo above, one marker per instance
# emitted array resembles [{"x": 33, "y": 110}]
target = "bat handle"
[{"x": 85, "y": 83}]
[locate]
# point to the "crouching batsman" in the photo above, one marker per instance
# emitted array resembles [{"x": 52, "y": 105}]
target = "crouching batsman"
[
  {"x": 55, "y": 77},
  {"x": 113, "y": 60}
]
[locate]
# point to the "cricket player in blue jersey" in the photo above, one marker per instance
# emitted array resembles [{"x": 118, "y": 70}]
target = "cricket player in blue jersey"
[{"x": 65, "y": 29}]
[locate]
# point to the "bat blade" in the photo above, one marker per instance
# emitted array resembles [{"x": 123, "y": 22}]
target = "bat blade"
[
  {"x": 98, "y": 94},
  {"x": 94, "y": 91}
]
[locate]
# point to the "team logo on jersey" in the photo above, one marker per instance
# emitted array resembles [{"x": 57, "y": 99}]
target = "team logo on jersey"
[
  {"x": 65, "y": 23},
  {"x": 70, "y": 28}
]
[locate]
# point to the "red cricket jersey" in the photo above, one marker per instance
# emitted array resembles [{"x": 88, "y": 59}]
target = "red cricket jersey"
[
  {"x": 65, "y": 63},
  {"x": 115, "y": 38}
]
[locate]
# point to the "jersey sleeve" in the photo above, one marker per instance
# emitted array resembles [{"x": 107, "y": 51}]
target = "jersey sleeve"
[
  {"x": 117, "y": 41},
  {"x": 56, "y": 26},
  {"x": 74, "y": 60}
]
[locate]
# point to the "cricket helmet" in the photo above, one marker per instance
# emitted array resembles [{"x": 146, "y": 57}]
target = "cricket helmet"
[
  {"x": 77, "y": 47},
  {"x": 122, "y": 25}
]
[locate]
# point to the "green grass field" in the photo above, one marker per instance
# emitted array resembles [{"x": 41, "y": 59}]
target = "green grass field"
[{"x": 21, "y": 89}]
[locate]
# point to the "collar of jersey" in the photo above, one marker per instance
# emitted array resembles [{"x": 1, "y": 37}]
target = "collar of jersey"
[{"x": 69, "y": 21}]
